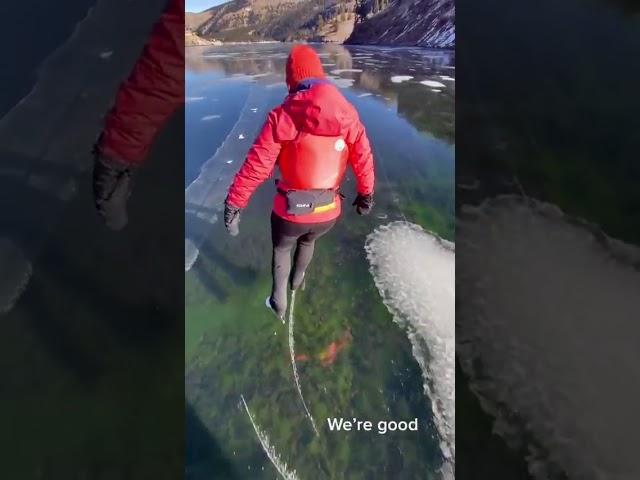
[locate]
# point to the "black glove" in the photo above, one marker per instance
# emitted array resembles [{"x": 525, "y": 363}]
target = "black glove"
[
  {"x": 111, "y": 190},
  {"x": 363, "y": 203},
  {"x": 231, "y": 219}
]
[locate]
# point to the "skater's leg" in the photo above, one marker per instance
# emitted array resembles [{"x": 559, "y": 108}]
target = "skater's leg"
[
  {"x": 283, "y": 240},
  {"x": 304, "y": 251}
]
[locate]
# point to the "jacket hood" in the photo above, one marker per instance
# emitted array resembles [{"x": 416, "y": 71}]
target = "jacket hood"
[{"x": 320, "y": 110}]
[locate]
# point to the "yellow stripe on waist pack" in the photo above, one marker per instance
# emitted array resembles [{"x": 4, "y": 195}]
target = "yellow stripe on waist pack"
[{"x": 325, "y": 208}]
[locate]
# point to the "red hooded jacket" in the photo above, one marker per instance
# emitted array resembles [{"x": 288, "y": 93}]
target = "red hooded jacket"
[
  {"x": 151, "y": 93},
  {"x": 320, "y": 110}
]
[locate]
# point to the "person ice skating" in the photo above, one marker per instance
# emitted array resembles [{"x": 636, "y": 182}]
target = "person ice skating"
[{"x": 312, "y": 137}]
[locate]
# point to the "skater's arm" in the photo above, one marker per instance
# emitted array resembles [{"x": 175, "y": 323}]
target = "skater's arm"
[
  {"x": 361, "y": 158},
  {"x": 260, "y": 160},
  {"x": 151, "y": 93}
]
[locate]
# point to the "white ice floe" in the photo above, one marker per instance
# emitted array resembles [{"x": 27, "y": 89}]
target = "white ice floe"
[
  {"x": 206, "y": 118},
  {"x": 414, "y": 271},
  {"x": 346, "y": 70},
  {"x": 433, "y": 84},
  {"x": 254, "y": 110},
  {"x": 435, "y": 90},
  {"x": 401, "y": 78},
  {"x": 241, "y": 136},
  {"x": 343, "y": 82},
  {"x": 548, "y": 335},
  {"x": 229, "y": 162},
  {"x": 447, "y": 78},
  {"x": 365, "y": 95}
]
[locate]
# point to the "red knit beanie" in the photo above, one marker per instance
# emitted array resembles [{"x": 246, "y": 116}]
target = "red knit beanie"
[{"x": 303, "y": 62}]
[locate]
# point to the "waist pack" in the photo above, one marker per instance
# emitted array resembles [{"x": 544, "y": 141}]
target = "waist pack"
[{"x": 302, "y": 202}]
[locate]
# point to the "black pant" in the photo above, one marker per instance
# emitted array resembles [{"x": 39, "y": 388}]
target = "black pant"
[{"x": 285, "y": 235}]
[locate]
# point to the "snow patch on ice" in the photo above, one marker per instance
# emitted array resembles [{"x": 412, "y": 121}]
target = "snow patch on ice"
[
  {"x": 400, "y": 78},
  {"x": 346, "y": 70},
  {"x": 241, "y": 136},
  {"x": 433, "y": 84},
  {"x": 414, "y": 271},
  {"x": 343, "y": 82}
]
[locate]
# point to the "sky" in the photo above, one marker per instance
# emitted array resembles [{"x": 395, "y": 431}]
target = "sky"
[{"x": 200, "y": 5}]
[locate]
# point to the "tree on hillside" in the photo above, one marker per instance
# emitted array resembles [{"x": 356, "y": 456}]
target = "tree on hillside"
[{"x": 361, "y": 10}]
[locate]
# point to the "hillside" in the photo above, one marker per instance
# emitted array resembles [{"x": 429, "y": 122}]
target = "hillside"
[
  {"x": 283, "y": 20},
  {"x": 193, "y": 20},
  {"x": 427, "y": 23}
]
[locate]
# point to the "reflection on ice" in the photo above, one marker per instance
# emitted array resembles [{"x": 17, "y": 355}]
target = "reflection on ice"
[{"x": 415, "y": 274}]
